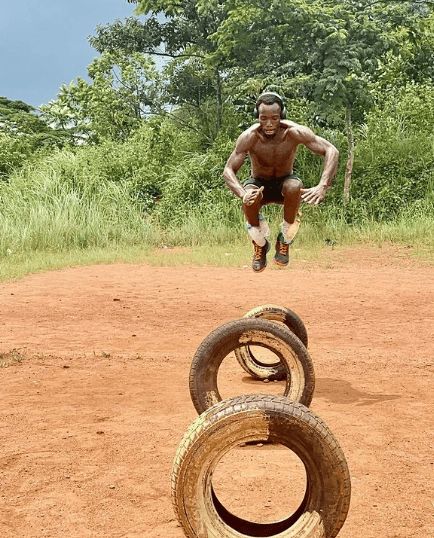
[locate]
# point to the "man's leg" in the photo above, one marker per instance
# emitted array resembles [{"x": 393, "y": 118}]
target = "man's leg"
[
  {"x": 291, "y": 219},
  {"x": 258, "y": 230},
  {"x": 291, "y": 208}
]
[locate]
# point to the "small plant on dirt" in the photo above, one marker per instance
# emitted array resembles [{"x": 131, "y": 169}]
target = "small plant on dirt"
[{"x": 10, "y": 357}]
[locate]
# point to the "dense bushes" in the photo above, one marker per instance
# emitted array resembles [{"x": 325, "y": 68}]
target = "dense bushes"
[
  {"x": 196, "y": 186},
  {"x": 15, "y": 151},
  {"x": 162, "y": 185},
  {"x": 394, "y": 166}
]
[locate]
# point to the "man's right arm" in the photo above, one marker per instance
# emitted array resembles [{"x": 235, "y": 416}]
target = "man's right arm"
[{"x": 234, "y": 163}]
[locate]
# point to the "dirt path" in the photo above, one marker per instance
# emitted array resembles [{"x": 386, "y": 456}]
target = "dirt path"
[{"x": 91, "y": 418}]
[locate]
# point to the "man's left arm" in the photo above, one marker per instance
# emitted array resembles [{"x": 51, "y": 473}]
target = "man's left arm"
[{"x": 320, "y": 146}]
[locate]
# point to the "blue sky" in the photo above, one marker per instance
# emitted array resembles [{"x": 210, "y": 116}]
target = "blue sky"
[{"x": 43, "y": 43}]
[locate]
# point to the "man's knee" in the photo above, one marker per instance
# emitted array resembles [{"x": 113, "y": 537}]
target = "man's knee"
[
  {"x": 256, "y": 205},
  {"x": 291, "y": 188}
]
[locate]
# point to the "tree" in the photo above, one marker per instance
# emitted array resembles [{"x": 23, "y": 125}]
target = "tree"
[
  {"x": 324, "y": 51},
  {"x": 123, "y": 90},
  {"x": 23, "y": 133},
  {"x": 18, "y": 119},
  {"x": 179, "y": 32}
]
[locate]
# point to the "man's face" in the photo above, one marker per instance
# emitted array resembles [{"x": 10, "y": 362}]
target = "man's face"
[{"x": 269, "y": 119}]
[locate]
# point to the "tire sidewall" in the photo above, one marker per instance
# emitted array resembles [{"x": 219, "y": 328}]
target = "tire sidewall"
[
  {"x": 267, "y": 419},
  {"x": 300, "y": 383}
]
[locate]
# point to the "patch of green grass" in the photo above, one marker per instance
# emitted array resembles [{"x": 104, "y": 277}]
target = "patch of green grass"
[
  {"x": 237, "y": 254},
  {"x": 18, "y": 265},
  {"x": 224, "y": 245}
]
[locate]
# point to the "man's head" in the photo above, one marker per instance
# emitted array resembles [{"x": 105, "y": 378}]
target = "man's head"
[
  {"x": 269, "y": 98},
  {"x": 270, "y": 110}
]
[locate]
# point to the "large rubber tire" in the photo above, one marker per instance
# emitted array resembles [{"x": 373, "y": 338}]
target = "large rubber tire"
[
  {"x": 251, "y": 364},
  {"x": 268, "y": 419},
  {"x": 293, "y": 357}
]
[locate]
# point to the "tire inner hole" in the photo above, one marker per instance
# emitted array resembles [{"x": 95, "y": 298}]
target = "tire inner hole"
[
  {"x": 233, "y": 380},
  {"x": 260, "y": 483}
]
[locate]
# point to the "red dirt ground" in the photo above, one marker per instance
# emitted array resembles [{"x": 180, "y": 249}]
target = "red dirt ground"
[{"x": 90, "y": 419}]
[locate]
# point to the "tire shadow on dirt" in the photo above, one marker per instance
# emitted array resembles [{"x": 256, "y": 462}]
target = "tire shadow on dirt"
[
  {"x": 329, "y": 389},
  {"x": 342, "y": 392}
]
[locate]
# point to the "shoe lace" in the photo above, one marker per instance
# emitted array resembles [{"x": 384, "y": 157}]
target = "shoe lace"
[
  {"x": 257, "y": 251},
  {"x": 283, "y": 248}
]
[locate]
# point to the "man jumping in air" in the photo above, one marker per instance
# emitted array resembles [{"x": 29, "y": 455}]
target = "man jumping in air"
[{"x": 271, "y": 145}]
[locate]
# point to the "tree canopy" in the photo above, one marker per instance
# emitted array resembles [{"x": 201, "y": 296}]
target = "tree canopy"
[
  {"x": 338, "y": 57},
  {"x": 17, "y": 117},
  {"x": 325, "y": 51},
  {"x": 359, "y": 72}
]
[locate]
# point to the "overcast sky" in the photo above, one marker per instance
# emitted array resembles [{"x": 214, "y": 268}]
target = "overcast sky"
[{"x": 43, "y": 43}]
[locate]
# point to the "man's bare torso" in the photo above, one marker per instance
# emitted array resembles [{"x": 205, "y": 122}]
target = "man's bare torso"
[
  {"x": 271, "y": 145},
  {"x": 272, "y": 157}
]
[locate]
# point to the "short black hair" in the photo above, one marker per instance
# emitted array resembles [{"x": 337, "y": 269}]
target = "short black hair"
[{"x": 269, "y": 98}]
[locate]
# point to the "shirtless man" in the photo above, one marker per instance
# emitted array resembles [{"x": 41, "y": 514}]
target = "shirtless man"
[{"x": 271, "y": 145}]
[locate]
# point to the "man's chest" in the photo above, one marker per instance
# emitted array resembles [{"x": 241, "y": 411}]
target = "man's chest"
[{"x": 270, "y": 151}]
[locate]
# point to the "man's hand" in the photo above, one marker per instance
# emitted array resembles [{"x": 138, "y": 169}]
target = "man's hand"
[
  {"x": 252, "y": 195},
  {"x": 314, "y": 195}
]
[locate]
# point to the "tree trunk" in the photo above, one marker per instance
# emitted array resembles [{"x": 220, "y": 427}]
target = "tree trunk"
[
  {"x": 350, "y": 161},
  {"x": 218, "y": 99}
]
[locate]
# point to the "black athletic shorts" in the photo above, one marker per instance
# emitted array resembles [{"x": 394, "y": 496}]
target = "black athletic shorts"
[{"x": 272, "y": 187}]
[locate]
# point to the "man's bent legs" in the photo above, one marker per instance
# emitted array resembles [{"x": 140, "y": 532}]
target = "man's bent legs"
[
  {"x": 256, "y": 224},
  {"x": 251, "y": 212},
  {"x": 291, "y": 208},
  {"x": 258, "y": 230},
  {"x": 291, "y": 220}
]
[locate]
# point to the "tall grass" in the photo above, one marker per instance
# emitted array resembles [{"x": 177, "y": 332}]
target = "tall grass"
[
  {"x": 40, "y": 212},
  {"x": 48, "y": 223},
  {"x": 98, "y": 204},
  {"x": 65, "y": 237}
]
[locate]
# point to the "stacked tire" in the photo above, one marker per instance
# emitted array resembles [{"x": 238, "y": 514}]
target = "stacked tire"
[
  {"x": 287, "y": 318},
  {"x": 225, "y": 424},
  {"x": 294, "y": 364}
]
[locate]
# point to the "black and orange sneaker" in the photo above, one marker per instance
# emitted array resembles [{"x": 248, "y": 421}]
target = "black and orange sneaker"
[
  {"x": 281, "y": 257},
  {"x": 259, "y": 262}
]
